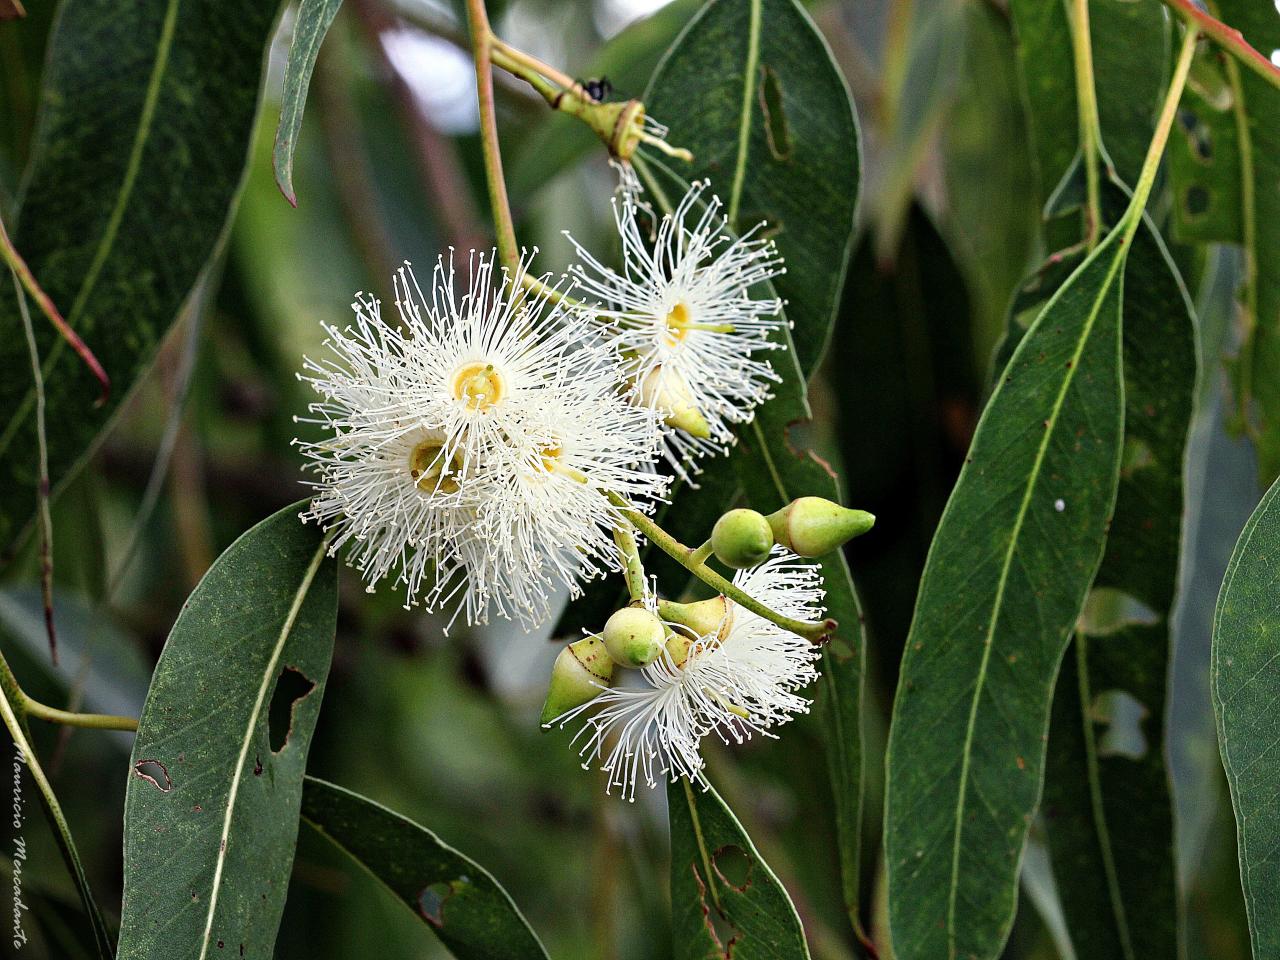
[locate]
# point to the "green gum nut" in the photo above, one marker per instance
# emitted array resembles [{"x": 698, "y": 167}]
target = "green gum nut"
[
  {"x": 581, "y": 672},
  {"x": 812, "y": 526},
  {"x": 741, "y": 539},
  {"x": 634, "y": 637}
]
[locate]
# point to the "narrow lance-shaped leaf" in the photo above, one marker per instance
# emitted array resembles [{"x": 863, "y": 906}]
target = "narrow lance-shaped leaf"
[
  {"x": 1014, "y": 554},
  {"x": 211, "y": 810},
  {"x": 1246, "y": 686},
  {"x": 312, "y": 23},
  {"x": 724, "y": 898},
  {"x": 1107, "y": 803},
  {"x": 455, "y": 896},
  {"x": 146, "y": 115}
]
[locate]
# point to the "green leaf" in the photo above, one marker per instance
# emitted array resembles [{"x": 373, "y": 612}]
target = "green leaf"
[
  {"x": 312, "y": 23},
  {"x": 455, "y": 896},
  {"x": 750, "y": 87},
  {"x": 1107, "y": 803},
  {"x": 145, "y": 121},
  {"x": 1246, "y": 685},
  {"x": 724, "y": 898},
  {"x": 211, "y": 810},
  {"x": 1014, "y": 554},
  {"x": 1257, "y": 110}
]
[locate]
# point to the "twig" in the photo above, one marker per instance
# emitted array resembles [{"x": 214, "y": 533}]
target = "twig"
[{"x": 42, "y": 487}]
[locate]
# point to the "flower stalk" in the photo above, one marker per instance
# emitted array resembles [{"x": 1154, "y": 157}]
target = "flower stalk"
[{"x": 815, "y": 631}]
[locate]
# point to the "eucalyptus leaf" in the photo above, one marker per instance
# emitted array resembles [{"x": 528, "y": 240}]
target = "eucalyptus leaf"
[
  {"x": 455, "y": 896},
  {"x": 725, "y": 899},
  {"x": 1246, "y": 684},
  {"x": 146, "y": 114},
  {"x": 312, "y": 23},
  {"x": 211, "y": 810},
  {"x": 1017, "y": 547},
  {"x": 751, "y": 89},
  {"x": 1107, "y": 805}
]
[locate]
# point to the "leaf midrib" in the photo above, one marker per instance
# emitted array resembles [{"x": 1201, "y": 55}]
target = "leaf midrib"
[
  {"x": 268, "y": 678},
  {"x": 988, "y": 641},
  {"x": 107, "y": 241},
  {"x": 750, "y": 68}
]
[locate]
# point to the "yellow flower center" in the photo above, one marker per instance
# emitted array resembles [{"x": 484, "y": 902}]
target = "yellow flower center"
[
  {"x": 429, "y": 470},
  {"x": 479, "y": 385},
  {"x": 677, "y": 324}
]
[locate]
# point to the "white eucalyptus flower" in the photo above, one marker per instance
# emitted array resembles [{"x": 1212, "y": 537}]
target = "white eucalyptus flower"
[
  {"x": 686, "y": 322},
  {"x": 444, "y": 434},
  {"x": 741, "y": 678}
]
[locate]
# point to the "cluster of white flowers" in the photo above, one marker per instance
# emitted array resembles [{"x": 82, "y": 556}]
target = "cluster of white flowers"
[
  {"x": 740, "y": 678},
  {"x": 483, "y": 446}
]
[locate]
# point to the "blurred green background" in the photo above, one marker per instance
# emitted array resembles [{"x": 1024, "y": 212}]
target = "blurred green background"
[{"x": 444, "y": 729}]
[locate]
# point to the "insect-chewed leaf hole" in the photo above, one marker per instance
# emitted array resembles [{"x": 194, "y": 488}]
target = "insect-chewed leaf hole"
[
  {"x": 291, "y": 686},
  {"x": 155, "y": 773},
  {"x": 733, "y": 864}
]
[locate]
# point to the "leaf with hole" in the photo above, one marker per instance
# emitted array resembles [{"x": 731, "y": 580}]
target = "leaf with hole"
[
  {"x": 211, "y": 810},
  {"x": 312, "y": 23},
  {"x": 456, "y": 897},
  {"x": 1017, "y": 547},
  {"x": 1246, "y": 686},
  {"x": 147, "y": 112},
  {"x": 725, "y": 898}
]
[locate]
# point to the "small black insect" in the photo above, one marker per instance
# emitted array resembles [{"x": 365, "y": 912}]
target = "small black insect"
[{"x": 597, "y": 89}]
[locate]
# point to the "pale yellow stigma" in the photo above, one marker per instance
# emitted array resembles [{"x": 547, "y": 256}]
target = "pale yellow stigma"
[
  {"x": 429, "y": 470},
  {"x": 677, "y": 324},
  {"x": 551, "y": 457},
  {"x": 478, "y": 385}
]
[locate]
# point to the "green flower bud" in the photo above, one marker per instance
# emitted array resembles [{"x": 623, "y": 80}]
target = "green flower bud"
[
  {"x": 812, "y": 526},
  {"x": 581, "y": 670},
  {"x": 741, "y": 539},
  {"x": 704, "y": 618},
  {"x": 634, "y": 637}
]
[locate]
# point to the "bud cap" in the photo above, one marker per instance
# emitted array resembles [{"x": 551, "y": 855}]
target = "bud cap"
[
  {"x": 742, "y": 539},
  {"x": 812, "y": 526},
  {"x": 581, "y": 672}
]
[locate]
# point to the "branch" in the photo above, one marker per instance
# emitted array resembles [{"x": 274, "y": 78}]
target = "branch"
[
  {"x": 24, "y": 275},
  {"x": 1227, "y": 37}
]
